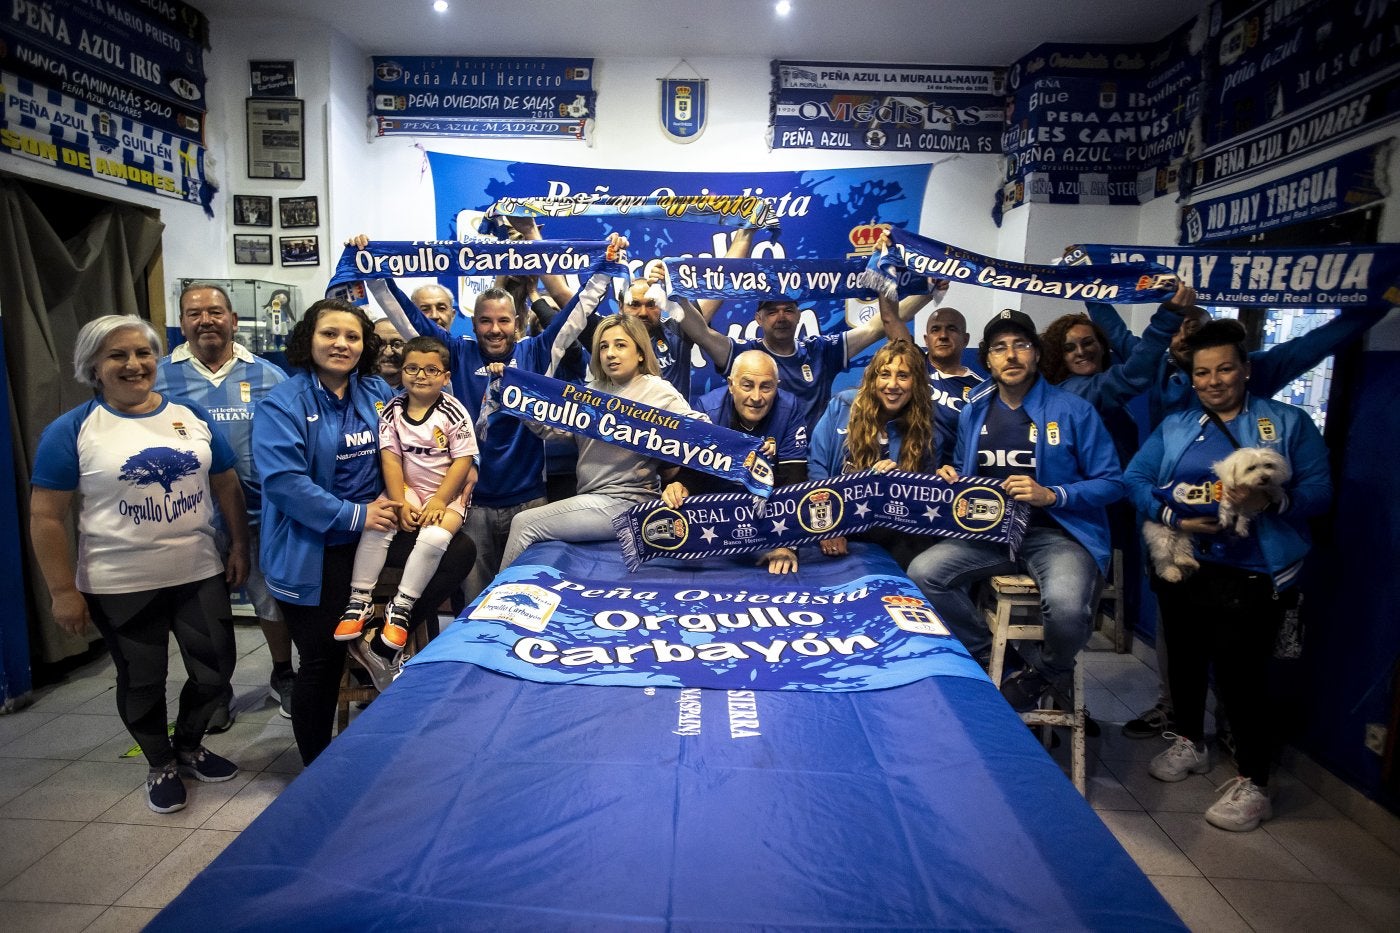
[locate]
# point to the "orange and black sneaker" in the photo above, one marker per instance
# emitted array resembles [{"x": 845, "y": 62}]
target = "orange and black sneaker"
[
  {"x": 353, "y": 619},
  {"x": 395, "y": 632}
]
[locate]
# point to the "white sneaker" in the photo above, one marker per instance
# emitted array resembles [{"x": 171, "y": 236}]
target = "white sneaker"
[
  {"x": 1182, "y": 759},
  {"x": 1242, "y": 806}
]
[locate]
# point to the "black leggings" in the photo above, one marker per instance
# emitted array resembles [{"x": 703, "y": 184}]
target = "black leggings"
[
  {"x": 321, "y": 658},
  {"x": 137, "y": 629},
  {"x": 1230, "y": 617}
]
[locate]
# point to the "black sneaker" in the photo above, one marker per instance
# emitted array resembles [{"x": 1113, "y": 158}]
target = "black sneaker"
[
  {"x": 1024, "y": 690},
  {"x": 165, "y": 792},
  {"x": 223, "y": 716},
  {"x": 280, "y": 689},
  {"x": 1150, "y": 724},
  {"x": 204, "y": 765}
]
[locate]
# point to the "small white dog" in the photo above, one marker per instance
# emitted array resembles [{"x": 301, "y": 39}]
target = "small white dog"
[
  {"x": 1250, "y": 467},
  {"x": 1261, "y": 468}
]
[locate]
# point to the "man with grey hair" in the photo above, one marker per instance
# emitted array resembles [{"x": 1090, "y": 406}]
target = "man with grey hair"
[
  {"x": 213, "y": 370},
  {"x": 436, "y": 302}
]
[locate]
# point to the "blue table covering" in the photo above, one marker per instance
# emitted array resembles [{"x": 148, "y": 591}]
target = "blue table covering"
[{"x": 468, "y": 799}]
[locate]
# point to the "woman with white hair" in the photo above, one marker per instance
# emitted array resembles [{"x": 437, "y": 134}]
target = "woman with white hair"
[{"x": 148, "y": 471}]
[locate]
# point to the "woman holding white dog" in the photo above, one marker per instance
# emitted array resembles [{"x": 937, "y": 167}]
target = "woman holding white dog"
[{"x": 1227, "y": 609}]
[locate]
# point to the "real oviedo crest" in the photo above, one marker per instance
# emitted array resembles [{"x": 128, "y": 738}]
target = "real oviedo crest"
[{"x": 683, "y": 108}]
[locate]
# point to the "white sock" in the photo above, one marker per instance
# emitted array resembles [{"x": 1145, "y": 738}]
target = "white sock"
[
  {"x": 423, "y": 562},
  {"x": 370, "y": 555}
]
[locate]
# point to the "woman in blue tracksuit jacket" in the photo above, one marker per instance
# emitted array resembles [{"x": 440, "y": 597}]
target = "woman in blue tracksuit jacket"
[
  {"x": 1228, "y": 612},
  {"x": 316, "y": 448},
  {"x": 892, "y": 406}
]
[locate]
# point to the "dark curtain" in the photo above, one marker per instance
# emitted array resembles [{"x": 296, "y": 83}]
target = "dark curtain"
[{"x": 65, "y": 259}]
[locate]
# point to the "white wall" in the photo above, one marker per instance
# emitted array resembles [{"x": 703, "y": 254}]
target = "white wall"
[{"x": 382, "y": 186}]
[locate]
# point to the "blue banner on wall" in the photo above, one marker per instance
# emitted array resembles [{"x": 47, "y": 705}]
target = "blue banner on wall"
[
  {"x": 1319, "y": 277},
  {"x": 511, "y": 94},
  {"x": 1326, "y": 125},
  {"x": 1101, "y": 124},
  {"x": 480, "y": 128},
  {"x": 114, "y": 39},
  {"x": 879, "y": 107},
  {"x": 52, "y": 128},
  {"x": 824, "y": 214},
  {"x": 1349, "y": 181},
  {"x": 1276, "y": 59}
]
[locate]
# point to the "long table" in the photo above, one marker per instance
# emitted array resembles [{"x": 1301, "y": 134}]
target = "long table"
[{"x": 465, "y": 798}]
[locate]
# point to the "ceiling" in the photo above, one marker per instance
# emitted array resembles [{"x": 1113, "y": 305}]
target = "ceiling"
[{"x": 952, "y": 32}]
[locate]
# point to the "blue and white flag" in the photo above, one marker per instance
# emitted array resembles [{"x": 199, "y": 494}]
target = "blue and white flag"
[
  {"x": 643, "y": 429},
  {"x": 725, "y": 524},
  {"x": 1341, "y": 184},
  {"x": 1301, "y": 277},
  {"x": 55, "y": 129},
  {"x": 391, "y": 259},
  {"x": 836, "y": 625},
  {"x": 684, "y": 108},
  {"x": 743, "y": 210},
  {"x": 1123, "y": 282}
]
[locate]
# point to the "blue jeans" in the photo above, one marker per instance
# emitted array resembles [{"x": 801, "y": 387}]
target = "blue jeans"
[
  {"x": 489, "y": 527},
  {"x": 1066, "y": 574},
  {"x": 578, "y": 518}
]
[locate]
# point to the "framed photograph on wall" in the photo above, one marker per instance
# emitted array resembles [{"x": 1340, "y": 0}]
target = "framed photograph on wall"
[
  {"x": 276, "y": 143},
  {"x": 252, "y": 210},
  {"x": 272, "y": 78},
  {"x": 299, "y": 212},
  {"x": 253, "y": 249},
  {"x": 300, "y": 250}
]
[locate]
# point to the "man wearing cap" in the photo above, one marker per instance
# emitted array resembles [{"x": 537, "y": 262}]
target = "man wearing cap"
[{"x": 1051, "y": 451}]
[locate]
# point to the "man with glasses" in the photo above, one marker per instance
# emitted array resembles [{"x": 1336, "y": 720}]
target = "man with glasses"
[
  {"x": 213, "y": 370},
  {"x": 1051, "y": 451},
  {"x": 390, "y": 353}
]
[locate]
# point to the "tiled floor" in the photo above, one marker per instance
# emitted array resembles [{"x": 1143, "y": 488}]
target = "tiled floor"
[{"x": 79, "y": 850}]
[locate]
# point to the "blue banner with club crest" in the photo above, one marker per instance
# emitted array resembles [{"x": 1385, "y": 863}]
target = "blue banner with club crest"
[
  {"x": 1121, "y": 282},
  {"x": 482, "y": 96},
  {"x": 1341, "y": 184},
  {"x": 724, "y": 524},
  {"x": 684, "y": 107},
  {"x": 1300, "y": 277},
  {"x": 854, "y": 623},
  {"x": 643, "y": 429},
  {"x": 52, "y": 128},
  {"x": 891, "y": 108}
]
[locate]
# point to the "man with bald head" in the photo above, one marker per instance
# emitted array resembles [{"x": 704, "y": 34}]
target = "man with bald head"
[
  {"x": 945, "y": 339},
  {"x": 753, "y": 404}
]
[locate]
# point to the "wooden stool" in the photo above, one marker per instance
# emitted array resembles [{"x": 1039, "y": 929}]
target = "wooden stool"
[
  {"x": 1110, "y": 616},
  {"x": 1009, "y": 601},
  {"x": 351, "y": 691}
]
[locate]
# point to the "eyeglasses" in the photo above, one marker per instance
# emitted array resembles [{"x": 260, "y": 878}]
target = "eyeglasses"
[
  {"x": 1004, "y": 349},
  {"x": 432, "y": 372},
  {"x": 649, "y": 303},
  {"x": 394, "y": 343}
]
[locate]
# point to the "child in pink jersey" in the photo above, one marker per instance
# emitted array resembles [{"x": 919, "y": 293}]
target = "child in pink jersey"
[{"x": 428, "y": 452}]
